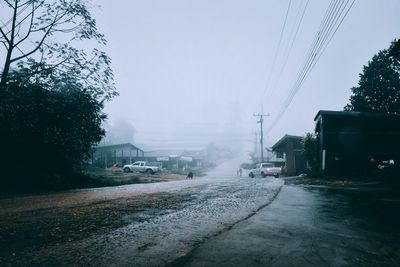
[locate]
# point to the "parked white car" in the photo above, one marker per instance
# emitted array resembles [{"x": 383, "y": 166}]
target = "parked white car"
[
  {"x": 265, "y": 169},
  {"x": 141, "y": 166}
]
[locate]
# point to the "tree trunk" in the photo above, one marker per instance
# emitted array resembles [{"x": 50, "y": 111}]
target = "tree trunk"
[
  {"x": 6, "y": 68},
  {"x": 7, "y": 63}
]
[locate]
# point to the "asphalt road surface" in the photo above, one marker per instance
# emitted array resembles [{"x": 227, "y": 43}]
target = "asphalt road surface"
[
  {"x": 218, "y": 220},
  {"x": 311, "y": 226}
]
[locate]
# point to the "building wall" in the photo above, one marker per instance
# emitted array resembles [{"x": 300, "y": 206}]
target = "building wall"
[
  {"x": 118, "y": 156},
  {"x": 346, "y": 143},
  {"x": 294, "y": 159}
]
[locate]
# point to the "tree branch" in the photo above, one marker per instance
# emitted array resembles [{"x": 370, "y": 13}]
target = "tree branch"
[
  {"x": 26, "y": 16},
  {"x": 30, "y": 25},
  {"x": 36, "y": 71},
  {"x": 14, "y": 19},
  {"x": 4, "y": 35},
  {"x": 39, "y": 44},
  {"x": 9, "y": 3},
  {"x": 32, "y": 51}
]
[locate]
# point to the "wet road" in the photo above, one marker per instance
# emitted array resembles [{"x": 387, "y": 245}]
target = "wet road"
[
  {"x": 218, "y": 220},
  {"x": 137, "y": 225},
  {"x": 311, "y": 226}
]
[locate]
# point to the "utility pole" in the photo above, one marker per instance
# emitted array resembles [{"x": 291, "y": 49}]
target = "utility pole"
[
  {"x": 261, "y": 115},
  {"x": 255, "y": 142}
]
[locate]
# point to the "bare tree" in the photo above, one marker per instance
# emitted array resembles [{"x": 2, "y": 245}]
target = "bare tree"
[{"x": 28, "y": 37}]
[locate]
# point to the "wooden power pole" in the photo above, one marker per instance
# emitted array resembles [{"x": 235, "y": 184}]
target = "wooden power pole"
[{"x": 261, "y": 121}]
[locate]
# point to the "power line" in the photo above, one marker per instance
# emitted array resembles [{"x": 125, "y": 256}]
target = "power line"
[
  {"x": 340, "y": 23},
  {"x": 293, "y": 39},
  {"x": 332, "y": 20},
  {"x": 323, "y": 43},
  {"x": 11, "y": 19},
  {"x": 317, "y": 40},
  {"x": 277, "y": 49},
  {"x": 309, "y": 57},
  {"x": 314, "y": 48},
  {"x": 311, "y": 61},
  {"x": 26, "y": 5}
]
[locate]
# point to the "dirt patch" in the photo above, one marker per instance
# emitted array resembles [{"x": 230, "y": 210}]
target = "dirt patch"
[
  {"x": 116, "y": 176},
  {"x": 31, "y": 230}
]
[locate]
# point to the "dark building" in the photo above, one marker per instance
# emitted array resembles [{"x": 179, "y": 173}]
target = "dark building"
[
  {"x": 353, "y": 143},
  {"x": 290, "y": 148}
]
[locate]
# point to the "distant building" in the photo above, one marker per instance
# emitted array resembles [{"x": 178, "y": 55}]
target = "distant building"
[
  {"x": 350, "y": 142},
  {"x": 176, "y": 158},
  {"x": 167, "y": 158},
  {"x": 118, "y": 154},
  {"x": 290, "y": 148}
]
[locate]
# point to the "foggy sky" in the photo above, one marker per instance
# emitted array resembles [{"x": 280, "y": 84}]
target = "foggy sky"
[{"x": 191, "y": 72}]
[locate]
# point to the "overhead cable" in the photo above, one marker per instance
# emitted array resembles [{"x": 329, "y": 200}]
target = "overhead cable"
[
  {"x": 277, "y": 48},
  {"x": 334, "y": 16}
]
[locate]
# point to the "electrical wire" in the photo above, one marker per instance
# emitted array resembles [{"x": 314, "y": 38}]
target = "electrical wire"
[
  {"x": 277, "y": 49},
  {"x": 334, "y": 17},
  {"x": 293, "y": 39}
]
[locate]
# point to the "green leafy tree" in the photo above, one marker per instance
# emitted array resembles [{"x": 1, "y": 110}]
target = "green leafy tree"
[
  {"x": 378, "y": 89},
  {"x": 310, "y": 152},
  {"x": 46, "y": 134},
  {"x": 40, "y": 40},
  {"x": 51, "y": 90}
]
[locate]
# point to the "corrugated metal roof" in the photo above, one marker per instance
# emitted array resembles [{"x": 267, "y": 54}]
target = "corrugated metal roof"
[
  {"x": 284, "y": 138},
  {"x": 117, "y": 146}
]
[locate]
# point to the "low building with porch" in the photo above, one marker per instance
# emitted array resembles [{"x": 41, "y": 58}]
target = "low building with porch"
[
  {"x": 118, "y": 154},
  {"x": 176, "y": 158},
  {"x": 290, "y": 148}
]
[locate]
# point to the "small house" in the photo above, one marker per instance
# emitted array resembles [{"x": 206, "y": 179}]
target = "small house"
[{"x": 290, "y": 148}]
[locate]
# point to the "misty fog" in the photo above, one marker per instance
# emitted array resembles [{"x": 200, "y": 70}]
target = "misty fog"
[{"x": 192, "y": 72}]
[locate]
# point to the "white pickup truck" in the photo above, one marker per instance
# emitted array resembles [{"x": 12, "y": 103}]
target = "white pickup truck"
[
  {"x": 265, "y": 169},
  {"x": 141, "y": 166}
]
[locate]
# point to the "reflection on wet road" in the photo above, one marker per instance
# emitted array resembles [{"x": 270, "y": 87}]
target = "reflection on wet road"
[{"x": 309, "y": 226}]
